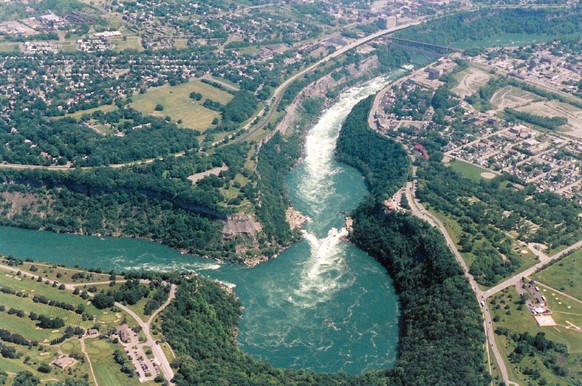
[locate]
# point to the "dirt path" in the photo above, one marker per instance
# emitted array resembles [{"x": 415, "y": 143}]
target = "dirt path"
[
  {"x": 84, "y": 351},
  {"x": 157, "y": 351}
]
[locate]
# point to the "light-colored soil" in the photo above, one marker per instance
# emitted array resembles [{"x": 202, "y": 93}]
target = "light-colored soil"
[
  {"x": 214, "y": 171},
  {"x": 471, "y": 81},
  {"x": 488, "y": 175},
  {"x": 557, "y": 109},
  {"x": 18, "y": 201},
  {"x": 295, "y": 218},
  {"x": 241, "y": 224},
  {"x": 511, "y": 97}
]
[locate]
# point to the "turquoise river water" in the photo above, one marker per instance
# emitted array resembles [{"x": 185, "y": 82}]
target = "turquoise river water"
[{"x": 323, "y": 304}]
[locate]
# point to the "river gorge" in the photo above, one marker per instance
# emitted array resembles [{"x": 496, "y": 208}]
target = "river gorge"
[{"x": 323, "y": 304}]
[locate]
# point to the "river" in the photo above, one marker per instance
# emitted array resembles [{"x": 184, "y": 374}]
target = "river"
[{"x": 323, "y": 304}]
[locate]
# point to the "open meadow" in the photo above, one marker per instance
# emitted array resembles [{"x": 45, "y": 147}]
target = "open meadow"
[
  {"x": 565, "y": 275},
  {"x": 530, "y": 363},
  {"x": 17, "y": 306},
  {"x": 178, "y": 105}
]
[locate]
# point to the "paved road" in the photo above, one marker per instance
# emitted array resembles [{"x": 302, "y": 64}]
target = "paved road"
[
  {"x": 159, "y": 354},
  {"x": 419, "y": 211},
  {"x": 272, "y": 104},
  {"x": 157, "y": 351},
  {"x": 280, "y": 91},
  {"x": 528, "y": 272}
]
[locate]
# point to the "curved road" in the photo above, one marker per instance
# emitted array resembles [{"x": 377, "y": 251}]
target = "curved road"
[
  {"x": 419, "y": 211},
  {"x": 270, "y": 109},
  {"x": 280, "y": 91},
  {"x": 157, "y": 351}
]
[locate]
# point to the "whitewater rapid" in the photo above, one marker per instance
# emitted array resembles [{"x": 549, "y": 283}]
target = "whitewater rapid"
[
  {"x": 322, "y": 273},
  {"x": 322, "y": 305}
]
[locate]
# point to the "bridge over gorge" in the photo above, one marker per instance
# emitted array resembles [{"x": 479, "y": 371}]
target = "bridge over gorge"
[{"x": 415, "y": 44}]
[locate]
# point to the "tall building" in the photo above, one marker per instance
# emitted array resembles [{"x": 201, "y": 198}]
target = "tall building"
[{"x": 385, "y": 22}]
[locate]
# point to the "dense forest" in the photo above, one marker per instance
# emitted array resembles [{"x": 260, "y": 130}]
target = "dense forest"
[
  {"x": 429, "y": 281},
  {"x": 68, "y": 140},
  {"x": 154, "y": 201},
  {"x": 383, "y": 162},
  {"x": 275, "y": 161},
  {"x": 200, "y": 326},
  {"x": 470, "y": 27},
  {"x": 550, "y": 123},
  {"x": 200, "y": 323}
]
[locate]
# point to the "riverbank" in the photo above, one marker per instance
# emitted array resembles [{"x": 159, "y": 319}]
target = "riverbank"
[{"x": 426, "y": 275}]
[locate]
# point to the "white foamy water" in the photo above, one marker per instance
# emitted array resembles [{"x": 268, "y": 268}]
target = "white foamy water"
[
  {"x": 323, "y": 272},
  {"x": 320, "y": 145}
]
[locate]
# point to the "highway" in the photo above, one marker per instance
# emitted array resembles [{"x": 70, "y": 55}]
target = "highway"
[{"x": 280, "y": 91}]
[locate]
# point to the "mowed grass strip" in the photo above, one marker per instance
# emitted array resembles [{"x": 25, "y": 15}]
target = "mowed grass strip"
[
  {"x": 565, "y": 275},
  {"x": 50, "y": 272},
  {"x": 178, "y": 105},
  {"x": 27, "y": 305},
  {"x": 33, "y": 287},
  {"x": 25, "y": 327},
  {"x": 106, "y": 370}
]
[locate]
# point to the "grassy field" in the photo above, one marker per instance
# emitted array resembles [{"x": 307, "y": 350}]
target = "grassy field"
[
  {"x": 565, "y": 275},
  {"x": 32, "y": 287},
  {"x": 454, "y": 229},
  {"x": 104, "y": 108},
  {"x": 468, "y": 170},
  {"x": 506, "y": 310},
  {"x": 106, "y": 370},
  {"x": 33, "y": 357},
  {"x": 178, "y": 105},
  {"x": 100, "y": 350},
  {"x": 132, "y": 43},
  {"x": 62, "y": 274},
  {"x": 9, "y": 47}
]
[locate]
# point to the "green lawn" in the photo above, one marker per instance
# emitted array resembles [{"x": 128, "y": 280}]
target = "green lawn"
[
  {"x": 178, "y": 105},
  {"x": 25, "y": 327},
  {"x": 104, "y": 108},
  {"x": 33, "y": 357},
  {"x": 467, "y": 170},
  {"x": 132, "y": 43},
  {"x": 565, "y": 275},
  {"x": 62, "y": 274},
  {"x": 33, "y": 287},
  {"x": 106, "y": 370},
  {"x": 521, "y": 321},
  {"x": 9, "y": 47},
  {"x": 138, "y": 308}
]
